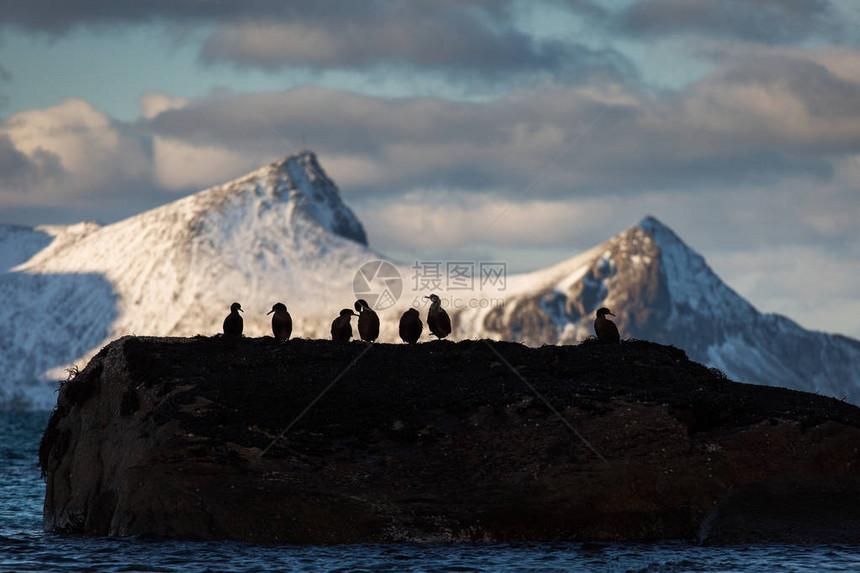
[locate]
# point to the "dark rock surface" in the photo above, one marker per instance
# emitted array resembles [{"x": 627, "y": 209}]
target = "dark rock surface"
[
  {"x": 787, "y": 509},
  {"x": 440, "y": 441}
]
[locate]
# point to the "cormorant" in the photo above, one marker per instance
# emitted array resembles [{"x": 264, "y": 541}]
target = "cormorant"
[
  {"x": 604, "y": 328},
  {"x": 341, "y": 328},
  {"x": 411, "y": 326},
  {"x": 368, "y": 321},
  {"x": 282, "y": 322},
  {"x": 438, "y": 320},
  {"x": 233, "y": 324}
]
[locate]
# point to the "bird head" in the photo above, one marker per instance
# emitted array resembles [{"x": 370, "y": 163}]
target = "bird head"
[
  {"x": 361, "y": 304},
  {"x": 278, "y": 307},
  {"x": 236, "y": 306},
  {"x": 603, "y": 311}
]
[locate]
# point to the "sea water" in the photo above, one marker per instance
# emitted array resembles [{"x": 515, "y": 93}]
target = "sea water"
[{"x": 25, "y": 547}]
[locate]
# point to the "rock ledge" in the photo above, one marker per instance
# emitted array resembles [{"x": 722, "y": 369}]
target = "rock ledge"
[{"x": 440, "y": 442}]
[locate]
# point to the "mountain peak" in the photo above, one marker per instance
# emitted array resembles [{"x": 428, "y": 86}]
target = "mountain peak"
[
  {"x": 691, "y": 283},
  {"x": 301, "y": 181},
  {"x": 305, "y": 158},
  {"x": 318, "y": 197},
  {"x": 657, "y": 229}
]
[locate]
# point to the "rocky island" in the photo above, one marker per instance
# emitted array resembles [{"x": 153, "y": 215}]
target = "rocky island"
[{"x": 470, "y": 441}]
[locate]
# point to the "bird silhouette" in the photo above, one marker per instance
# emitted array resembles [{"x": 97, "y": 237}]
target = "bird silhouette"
[
  {"x": 282, "y": 322},
  {"x": 341, "y": 328},
  {"x": 368, "y": 321},
  {"x": 234, "y": 324},
  {"x": 604, "y": 328},
  {"x": 438, "y": 320},
  {"x": 411, "y": 326}
]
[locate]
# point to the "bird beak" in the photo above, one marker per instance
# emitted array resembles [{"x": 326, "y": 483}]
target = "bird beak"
[
  {"x": 610, "y": 314},
  {"x": 270, "y": 312},
  {"x": 426, "y": 297},
  {"x": 240, "y": 310}
]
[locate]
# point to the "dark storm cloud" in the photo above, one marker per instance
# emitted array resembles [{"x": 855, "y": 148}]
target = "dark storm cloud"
[
  {"x": 455, "y": 40},
  {"x": 476, "y": 35},
  {"x": 764, "y": 21},
  {"x": 57, "y": 17},
  {"x": 823, "y": 93}
]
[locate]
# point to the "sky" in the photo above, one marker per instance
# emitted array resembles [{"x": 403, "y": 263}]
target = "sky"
[{"x": 517, "y": 130}]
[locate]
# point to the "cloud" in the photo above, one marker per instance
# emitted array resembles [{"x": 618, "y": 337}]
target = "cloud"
[
  {"x": 46, "y": 15},
  {"x": 772, "y": 118},
  {"x": 763, "y": 21},
  {"x": 181, "y": 166},
  {"x": 768, "y": 118},
  {"x": 786, "y": 84},
  {"x": 20, "y": 173},
  {"x": 478, "y": 36},
  {"x": 459, "y": 41},
  {"x": 5, "y": 78},
  {"x": 449, "y": 37},
  {"x": 55, "y": 154},
  {"x": 54, "y": 18},
  {"x": 151, "y": 104},
  {"x": 426, "y": 220},
  {"x": 411, "y": 142},
  {"x": 788, "y": 280}
]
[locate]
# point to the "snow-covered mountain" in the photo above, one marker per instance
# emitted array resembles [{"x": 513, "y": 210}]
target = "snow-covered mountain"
[
  {"x": 662, "y": 290},
  {"x": 282, "y": 233}
]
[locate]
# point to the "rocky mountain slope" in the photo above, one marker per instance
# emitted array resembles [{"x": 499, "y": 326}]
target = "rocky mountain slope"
[{"x": 662, "y": 290}]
